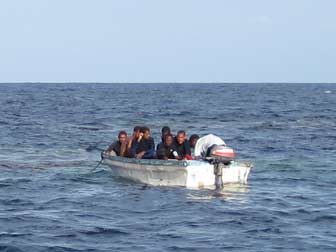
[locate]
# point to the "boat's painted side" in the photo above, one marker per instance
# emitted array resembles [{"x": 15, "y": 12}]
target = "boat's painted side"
[
  {"x": 201, "y": 173},
  {"x": 149, "y": 171},
  {"x": 191, "y": 174}
]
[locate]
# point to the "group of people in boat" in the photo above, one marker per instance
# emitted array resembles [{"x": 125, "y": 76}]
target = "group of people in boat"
[{"x": 141, "y": 145}]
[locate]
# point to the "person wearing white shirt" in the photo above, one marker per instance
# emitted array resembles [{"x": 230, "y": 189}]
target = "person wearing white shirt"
[{"x": 204, "y": 143}]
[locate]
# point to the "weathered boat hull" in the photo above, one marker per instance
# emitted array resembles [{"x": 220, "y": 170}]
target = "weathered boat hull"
[{"x": 190, "y": 174}]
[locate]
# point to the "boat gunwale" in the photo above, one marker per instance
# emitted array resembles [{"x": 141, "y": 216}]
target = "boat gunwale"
[
  {"x": 154, "y": 162},
  {"x": 171, "y": 162}
]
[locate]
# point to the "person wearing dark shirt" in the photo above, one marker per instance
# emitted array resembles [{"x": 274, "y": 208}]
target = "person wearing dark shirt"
[
  {"x": 119, "y": 146},
  {"x": 166, "y": 150},
  {"x": 144, "y": 146},
  {"x": 164, "y": 131},
  {"x": 182, "y": 146},
  {"x": 133, "y": 140},
  {"x": 192, "y": 143}
]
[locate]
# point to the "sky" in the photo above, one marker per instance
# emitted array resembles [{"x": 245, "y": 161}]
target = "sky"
[{"x": 167, "y": 41}]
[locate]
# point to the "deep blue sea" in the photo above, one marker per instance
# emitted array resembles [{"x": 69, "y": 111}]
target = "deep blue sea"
[{"x": 51, "y": 136}]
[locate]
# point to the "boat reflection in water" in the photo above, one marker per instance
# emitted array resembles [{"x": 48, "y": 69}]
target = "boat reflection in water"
[{"x": 232, "y": 191}]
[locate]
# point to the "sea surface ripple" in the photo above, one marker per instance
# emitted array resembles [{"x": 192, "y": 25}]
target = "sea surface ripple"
[{"x": 51, "y": 136}]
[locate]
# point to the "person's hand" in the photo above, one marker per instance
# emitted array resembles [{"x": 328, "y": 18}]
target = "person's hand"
[
  {"x": 140, "y": 154},
  {"x": 140, "y": 137}
]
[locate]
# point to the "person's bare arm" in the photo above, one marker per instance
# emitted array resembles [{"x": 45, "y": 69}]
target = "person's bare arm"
[
  {"x": 140, "y": 154},
  {"x": 129, "y": 146}
]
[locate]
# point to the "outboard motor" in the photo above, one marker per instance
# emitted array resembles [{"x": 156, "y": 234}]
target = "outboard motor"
[
  {"x": 220, "y": 156},
  {"x": 221, "y": 153}
]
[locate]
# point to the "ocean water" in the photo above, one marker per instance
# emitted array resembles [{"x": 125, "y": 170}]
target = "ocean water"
[{"x": 51, "y": 136}]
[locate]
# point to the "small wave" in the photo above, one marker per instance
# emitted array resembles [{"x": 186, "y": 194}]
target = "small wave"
[
  {"x": 44, "y": 165},
  {"x": 325, "y": 218},
  {"x": 274, "y": 126},
  {"x": 10, "y": 248},
  {"x": 265, "y": 230},
  {"x": 62, "y": 164},
  {"x": 91, "y": 148},
  {"x": 303, "y": 211},
  {"x": 170, "y": 235},
  {"x": 3, "y": 123},
  {"x": 103, "y": 230},
  {"x": 55, "y": 200},
  {"x": 8, "y": 234},
  {"x": 297, "y": 197},
  {"x": 16, "y": 202},
  {"x": 182, "y": 248},
  {"x": 58, "y": 249},
  {"x": 5, "y": 184},
  {"x": 86, "y": 216},
  {"x": 66, "y": 235},
  {"x": 89, "y": 128},
  {"x": 15, "y": 181}
]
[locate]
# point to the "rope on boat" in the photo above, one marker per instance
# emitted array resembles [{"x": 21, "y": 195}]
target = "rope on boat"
[{"x": 100, "y": 162}]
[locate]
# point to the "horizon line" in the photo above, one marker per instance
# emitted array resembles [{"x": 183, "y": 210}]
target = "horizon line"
[{"x": 158, "y": 82}]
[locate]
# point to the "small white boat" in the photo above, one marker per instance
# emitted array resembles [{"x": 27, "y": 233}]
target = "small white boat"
[{"x": 186, "y": 173}]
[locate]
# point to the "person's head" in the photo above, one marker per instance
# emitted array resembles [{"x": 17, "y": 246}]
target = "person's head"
[
  {"x": 165, "y": 131},
  {"x": 169, "y": 140},
  {"x": 122, "y": 136},
  {"x": 136, "y": 131},
  {"x": 192, "y": 140},
  {"x": 181, "y": 137},
  {"x": 145, "y": 131}
]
